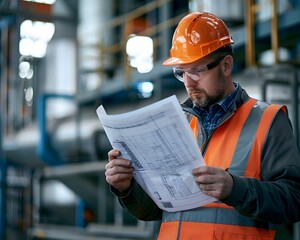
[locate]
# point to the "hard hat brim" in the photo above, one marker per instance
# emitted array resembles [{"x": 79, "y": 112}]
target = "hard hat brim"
[{"x": 173, "y": 61}]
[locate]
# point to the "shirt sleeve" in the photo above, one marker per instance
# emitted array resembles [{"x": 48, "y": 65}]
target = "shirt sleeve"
[
  {"x": 138, "y": 203},
  {"x": 276, "y": 197}
]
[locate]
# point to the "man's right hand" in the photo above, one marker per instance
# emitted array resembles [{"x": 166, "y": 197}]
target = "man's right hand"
[{"x": 118, "y": 171}]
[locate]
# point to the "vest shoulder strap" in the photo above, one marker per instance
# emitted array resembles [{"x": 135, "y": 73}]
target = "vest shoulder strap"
[
  {"x": 237, "y": 144},
  {"x": 267, "y": 118},
  {"x": 223, "y": 142}
]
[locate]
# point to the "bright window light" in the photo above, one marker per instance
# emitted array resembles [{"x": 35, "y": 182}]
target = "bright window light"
[
  {"x": 140, "y": 53},
  {"x": 139, "y": 46},
  {"x": 144, "y": 65},
  {"x": 26, "y": 29},
  {"x": 30, "y": 74},
  {"x": 35, "y": 37},
  {"x": 29, "y": 94},
  {"x": 25, "y": 70},
  {"x": 145, "y": 89},
  {"x": 26, "y": 46},
  {"x": 29, "y": 47},
  {"x": 43, "y": 31},
  {"x": 42, "y": 1},
  {"x": 24, "y": 67},
  {"x": 39, "y": 49},
  {"x": 49, "y": 1}
]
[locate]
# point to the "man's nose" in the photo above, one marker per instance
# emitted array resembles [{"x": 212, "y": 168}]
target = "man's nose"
[
  {"x": 189, "y": 81},
  {"x": 192, "y": 76}
]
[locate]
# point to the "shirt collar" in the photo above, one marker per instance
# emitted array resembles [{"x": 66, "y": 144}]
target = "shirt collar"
[{"x": 224, "y": 103}]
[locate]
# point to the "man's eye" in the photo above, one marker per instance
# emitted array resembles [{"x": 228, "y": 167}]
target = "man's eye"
[
  {"x": 180, "y": 72},
  {"x": 200, "y": 70}
]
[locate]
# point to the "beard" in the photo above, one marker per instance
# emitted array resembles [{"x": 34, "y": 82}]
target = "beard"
[
  {"x": 205, "y": 100},
  {"x": 202, "y": 99}
]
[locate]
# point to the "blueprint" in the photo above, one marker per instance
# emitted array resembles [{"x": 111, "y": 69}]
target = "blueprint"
[{"x": 159, "y": 142}]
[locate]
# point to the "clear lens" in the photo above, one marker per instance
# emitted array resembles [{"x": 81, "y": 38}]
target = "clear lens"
[
  {"x": 200, "y": 69},
  {"x": 194, "y": 76},
  {"x": 193, "y": 73},
  {"x": 178, "y": 73}
]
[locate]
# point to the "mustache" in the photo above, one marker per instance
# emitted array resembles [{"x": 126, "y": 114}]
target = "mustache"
[{"x": 196, "y": 90}]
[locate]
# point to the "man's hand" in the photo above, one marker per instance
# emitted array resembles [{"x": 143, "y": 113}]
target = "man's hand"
[
  {"x": 214, "y": 182},
  {"x": 118, "y": 171}
]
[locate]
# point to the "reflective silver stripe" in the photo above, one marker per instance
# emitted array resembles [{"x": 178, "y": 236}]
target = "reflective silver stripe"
[
  {"x": 201, "y": 136},
  {"x": 216, "y": 215},
  {"x": 246, "y": 140},
  {"x": 238, "y": 166}
]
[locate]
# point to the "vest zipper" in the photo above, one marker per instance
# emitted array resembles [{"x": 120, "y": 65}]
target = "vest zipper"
[{"x": 179, "y": 226}]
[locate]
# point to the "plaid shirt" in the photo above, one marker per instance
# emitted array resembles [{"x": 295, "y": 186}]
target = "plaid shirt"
[{"x": 210, "y": 117}]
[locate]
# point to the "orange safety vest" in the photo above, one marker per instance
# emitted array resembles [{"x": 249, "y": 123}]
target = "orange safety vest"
[{"x": 235, "y": 145}]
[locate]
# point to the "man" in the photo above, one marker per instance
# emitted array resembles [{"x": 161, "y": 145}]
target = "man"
[{"x": 252, "y": 160}]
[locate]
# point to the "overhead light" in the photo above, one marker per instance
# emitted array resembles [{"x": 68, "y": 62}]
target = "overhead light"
[
  {"x": 26, "y": 46},
  {"x": 145, "y": 89},
  {"x": 29, "y": 95},
  {"x": 25, "y": 70},
  {"x": 42, "y": 31},
  {"x": 42, "y": 1},
  {"x": 140, "y": 53},
  {"x": 29, "y": 47},
  {"x": 35, "y": 36}
]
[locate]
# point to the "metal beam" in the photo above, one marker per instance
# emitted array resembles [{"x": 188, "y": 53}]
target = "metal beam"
[{"x": 287, "y": 20}]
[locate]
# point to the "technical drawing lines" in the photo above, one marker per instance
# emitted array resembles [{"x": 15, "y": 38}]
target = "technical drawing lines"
[
  {"x": 176, "y": 186},
  {"x": 162, "y": 148},
  {"x": 135, "y": 162}
]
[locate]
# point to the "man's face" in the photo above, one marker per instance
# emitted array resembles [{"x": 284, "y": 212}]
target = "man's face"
[{"x": 210, "y": 86}]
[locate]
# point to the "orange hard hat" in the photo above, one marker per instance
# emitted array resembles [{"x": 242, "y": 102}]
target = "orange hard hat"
[{"x": 197, "y": 35}]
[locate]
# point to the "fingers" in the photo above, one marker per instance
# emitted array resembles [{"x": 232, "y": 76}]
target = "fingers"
[
  {"x": 119, "y": 171},
  {"x": 205, "y": 174},
  {"x": 116, "y": 179},
  {"x": 112, "y": 154},
  {"x": 205, "y": 170},
  {"x": 118, "y": 166},
  {"x": 120, "y": 181},
  {"x": 214, "y": 182},
  {"x": 118, "y": 162}
]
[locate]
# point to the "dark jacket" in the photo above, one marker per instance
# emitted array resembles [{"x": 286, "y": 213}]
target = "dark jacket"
[{"x": 274, "y": 199}]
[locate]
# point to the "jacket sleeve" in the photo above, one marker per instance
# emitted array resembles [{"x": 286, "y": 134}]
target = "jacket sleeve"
[
  {"x": 276, "y": 198},
  {"x": 138, "y": 203}
]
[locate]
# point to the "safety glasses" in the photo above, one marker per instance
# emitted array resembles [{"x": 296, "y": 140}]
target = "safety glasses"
[{"x": 195, "y": 73}]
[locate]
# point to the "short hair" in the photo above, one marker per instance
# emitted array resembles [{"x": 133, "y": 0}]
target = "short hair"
[{"x": 223, "y": 51}]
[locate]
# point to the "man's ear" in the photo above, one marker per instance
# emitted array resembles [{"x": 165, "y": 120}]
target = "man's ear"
[{"x": 228, "y": 64}]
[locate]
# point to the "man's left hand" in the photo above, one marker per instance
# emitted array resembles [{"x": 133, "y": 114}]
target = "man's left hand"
[{"x": 214, "y": 182}]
